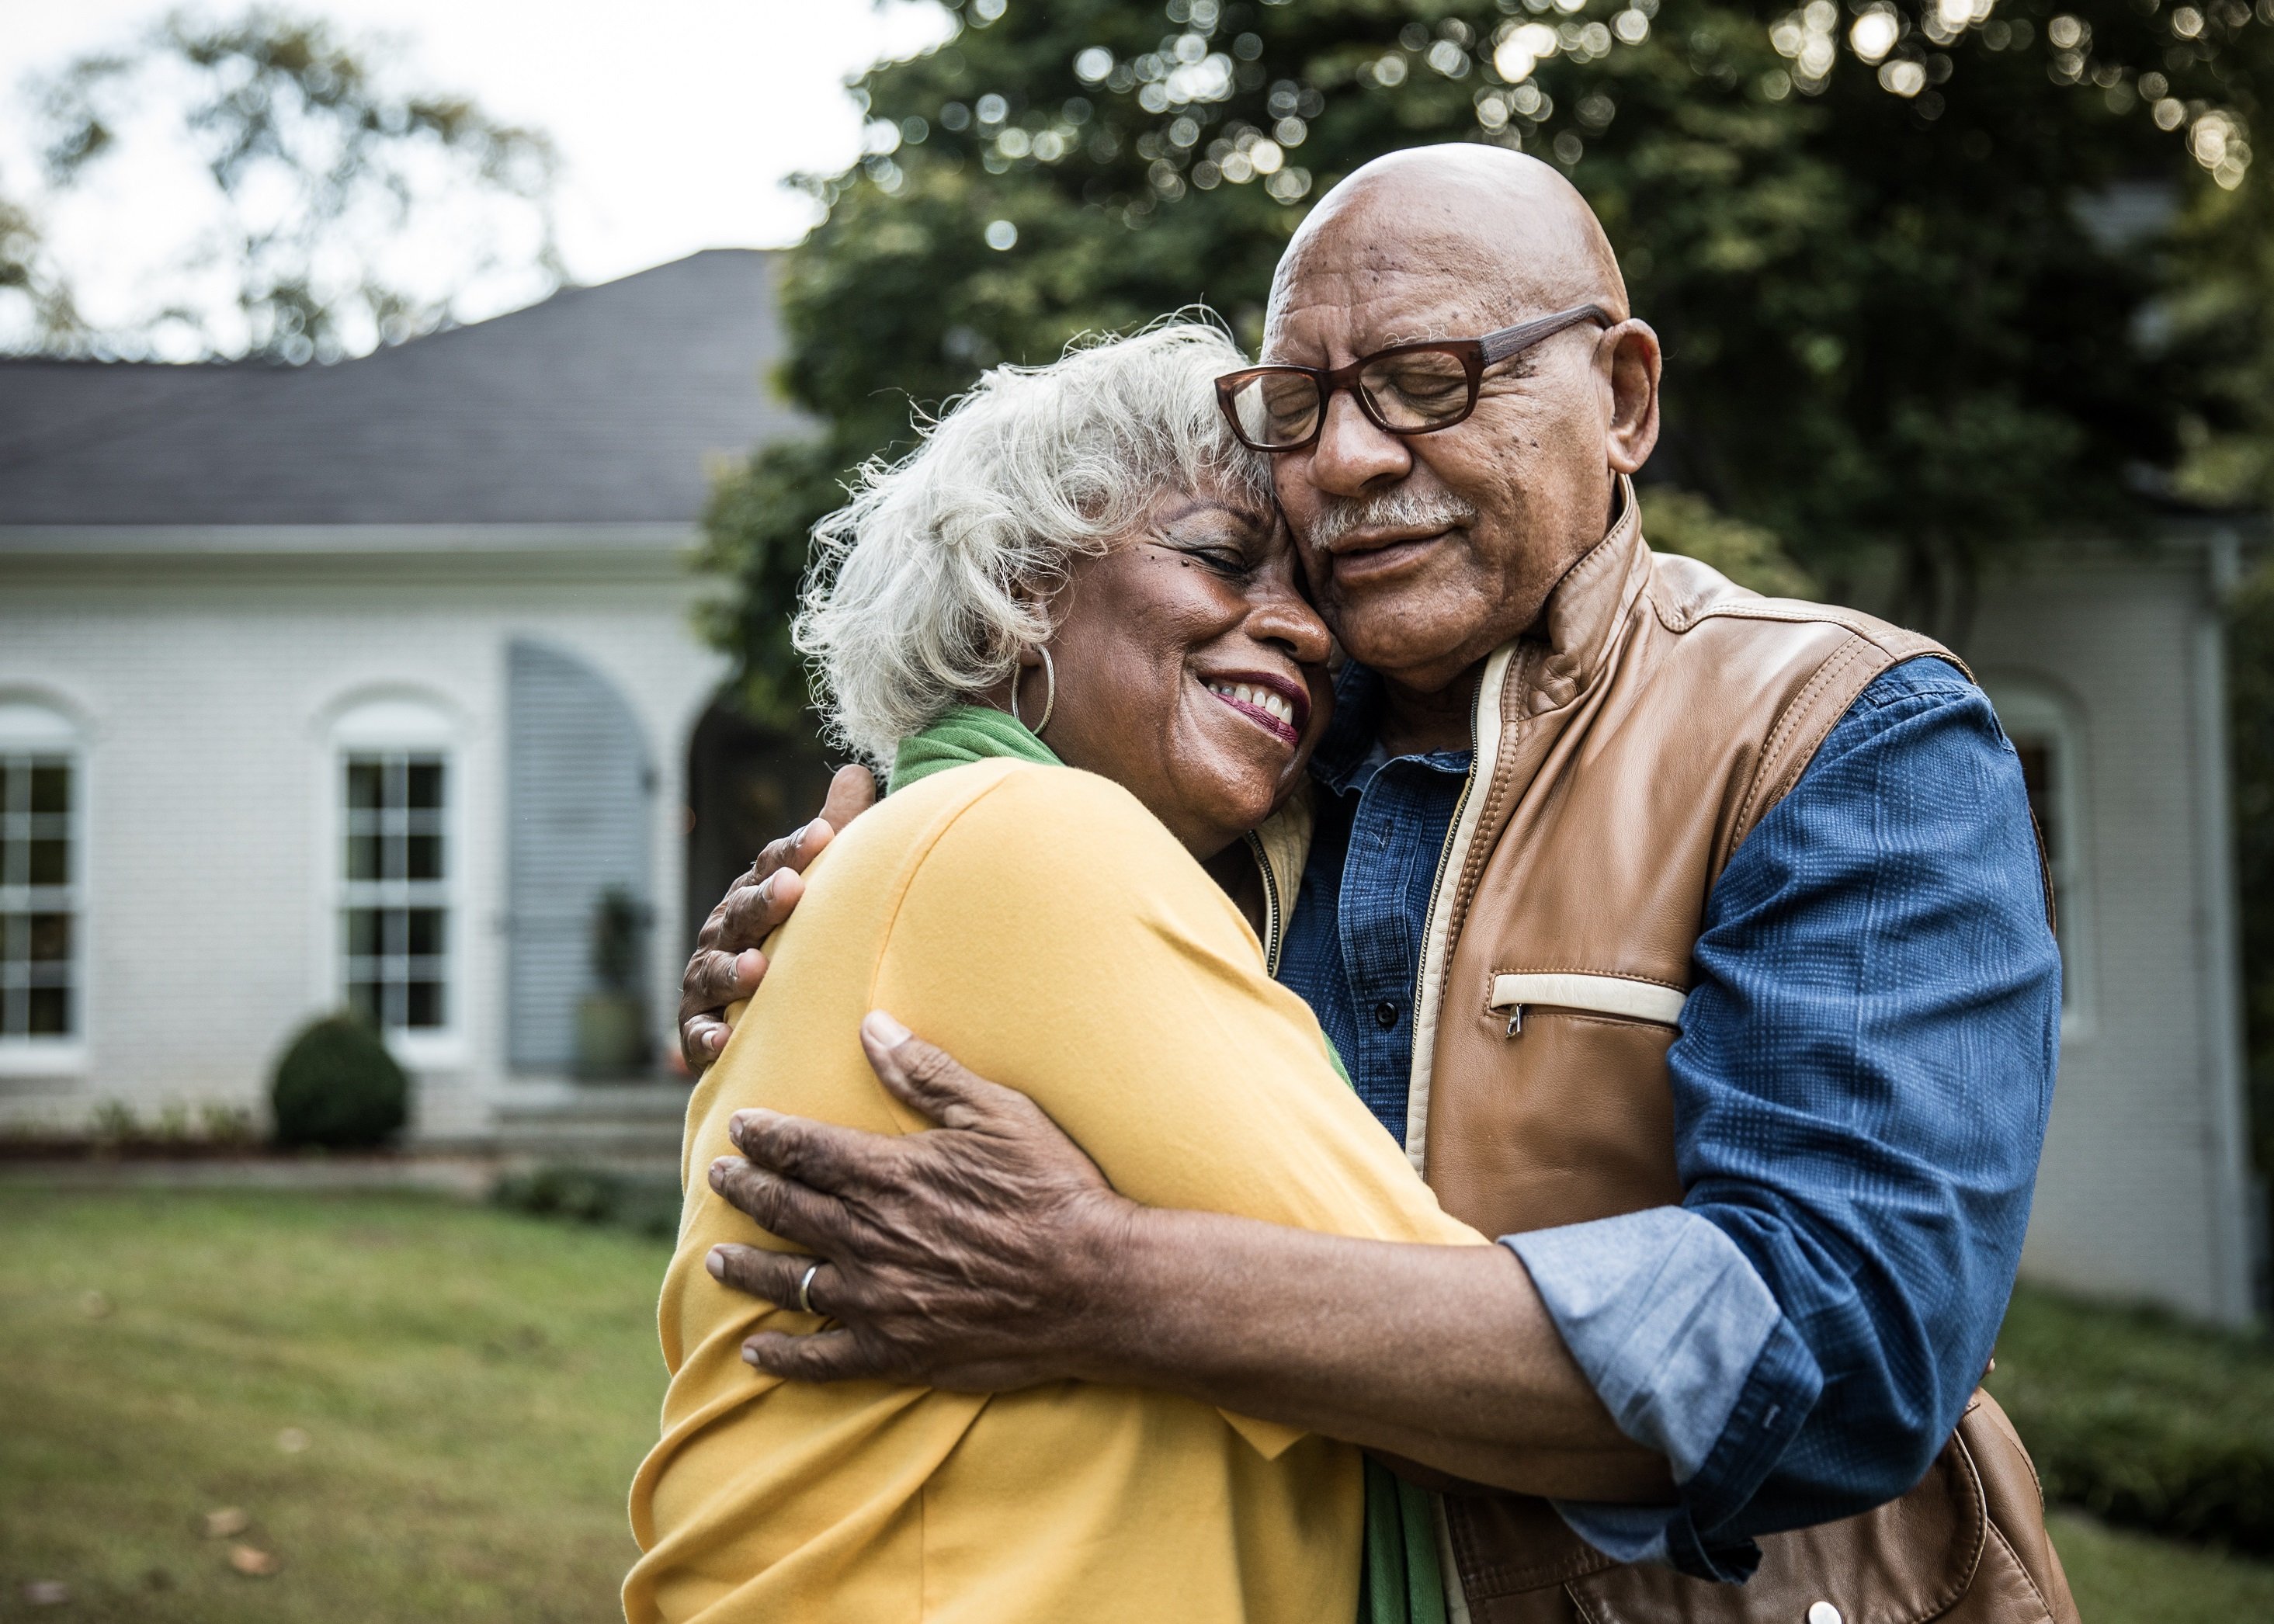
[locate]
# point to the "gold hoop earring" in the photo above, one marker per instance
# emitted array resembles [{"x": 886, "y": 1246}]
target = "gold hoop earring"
[{"x": 1049, "y": 693}]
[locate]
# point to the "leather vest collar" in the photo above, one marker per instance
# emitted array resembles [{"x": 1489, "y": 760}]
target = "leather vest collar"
[{"x": 1579, "y": 623}]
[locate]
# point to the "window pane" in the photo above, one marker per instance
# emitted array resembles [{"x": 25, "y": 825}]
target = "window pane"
[
  {"x": 15, "y": 861},
  {"x": 51, "y": 789},
  {"x": 362, "y": 933},
  {"x": 425, "y": 785},
  {"x": 49, "y": 938},
  {"x": 363, "y": 998},
  {"x": 15, "y": 938},
  {"x": 2037, "y": 775},
  {"x": 363, "y": 784},
  {"x": 424, "y": 857},
  {"x": 50, "y": 863},
  {"x": 423, "y": 1006},
  {"x": 425, "y": 932},
  {"x": 363, "y": 857},
  {"x": 50, "y": 1012},
  {"x": 15, "y": 786}
]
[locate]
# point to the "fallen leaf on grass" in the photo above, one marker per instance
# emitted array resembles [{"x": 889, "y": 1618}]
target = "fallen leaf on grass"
[
  {"x": 253, "y": 1562},
  {"x": 95, "y": 1306},
  {"x": 291, "y": 1441},
  {"x": 46, "y": 1593},
  {"x": 228, "y": 1521}
]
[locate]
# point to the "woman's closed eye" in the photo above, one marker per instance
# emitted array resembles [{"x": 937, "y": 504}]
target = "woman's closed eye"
[{"x": 1227, "y": 558}]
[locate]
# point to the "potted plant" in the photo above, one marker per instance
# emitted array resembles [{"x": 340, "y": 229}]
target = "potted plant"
[{"x": 611, "y": 1034}]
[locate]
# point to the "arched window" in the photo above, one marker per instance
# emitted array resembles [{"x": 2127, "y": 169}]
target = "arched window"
[
  {"x": 2048, "y": 737},
  {"x": 396, "y": 864},
  {"x": 43, "y": 904}
]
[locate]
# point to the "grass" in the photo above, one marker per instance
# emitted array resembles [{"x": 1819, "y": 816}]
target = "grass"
[
  {"x": 2123, "y": 1577},
  {"x": 475, "y": 1387}
]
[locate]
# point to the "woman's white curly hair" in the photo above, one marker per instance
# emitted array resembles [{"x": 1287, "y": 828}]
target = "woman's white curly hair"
[{"x": 929, "y": 582}]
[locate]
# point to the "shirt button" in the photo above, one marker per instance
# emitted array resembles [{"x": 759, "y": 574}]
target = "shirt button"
[
  {"x": 1385, "y": 1015},
  {"x": 1823, "y": 1612}
]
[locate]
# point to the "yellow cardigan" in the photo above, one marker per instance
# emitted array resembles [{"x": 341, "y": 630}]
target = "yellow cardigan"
[{"x": 1041, "y": 925}]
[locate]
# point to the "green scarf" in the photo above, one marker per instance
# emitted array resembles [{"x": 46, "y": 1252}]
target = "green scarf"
[
  {"x": 966, "y": 734},
  {"x": 1402, "y": 1581}
]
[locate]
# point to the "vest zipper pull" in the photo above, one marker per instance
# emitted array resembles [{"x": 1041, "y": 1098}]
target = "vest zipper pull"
[{"x": 1515, "y": 1019}]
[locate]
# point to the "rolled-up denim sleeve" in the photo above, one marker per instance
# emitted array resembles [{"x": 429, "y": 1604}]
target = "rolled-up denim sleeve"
[{"x": 1861, "y": 1087}]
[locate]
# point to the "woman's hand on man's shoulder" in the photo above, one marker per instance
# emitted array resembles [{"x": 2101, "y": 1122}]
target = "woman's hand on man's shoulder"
[{"x": 727, "y": 965}]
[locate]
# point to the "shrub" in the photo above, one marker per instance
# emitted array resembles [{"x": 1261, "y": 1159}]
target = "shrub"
[
  {"x": 2144, "y": 1420},
  {"x": 646, "y": 1206},
  {"x": 338, "y": 1086}
]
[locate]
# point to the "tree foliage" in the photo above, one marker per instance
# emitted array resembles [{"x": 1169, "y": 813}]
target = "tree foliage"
[
  {"x": 323, "y": 169},
  {"x": 1936, "y": 282}
]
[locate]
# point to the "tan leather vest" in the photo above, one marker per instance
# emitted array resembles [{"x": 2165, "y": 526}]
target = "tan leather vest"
[{"x": 1623, "y": 753}]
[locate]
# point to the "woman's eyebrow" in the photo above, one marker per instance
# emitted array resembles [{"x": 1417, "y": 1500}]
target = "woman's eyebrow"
[{"x": 1199, "y": 515}]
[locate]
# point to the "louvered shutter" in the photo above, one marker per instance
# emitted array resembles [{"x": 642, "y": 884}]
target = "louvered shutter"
[{"x": 578, "y": 789}]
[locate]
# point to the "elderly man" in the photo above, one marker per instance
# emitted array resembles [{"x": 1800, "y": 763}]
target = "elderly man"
[{"x": 1696, "y": 942}]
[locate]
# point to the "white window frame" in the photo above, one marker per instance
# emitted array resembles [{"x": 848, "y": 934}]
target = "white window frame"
[
  {"x": 29, "y": 726},
  {"x": 393, "y": 726},
  {"x": 2032, "y": 710}
]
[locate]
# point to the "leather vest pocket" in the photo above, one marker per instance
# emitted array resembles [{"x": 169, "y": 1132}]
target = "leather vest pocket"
[
  {"x": 1563, "y": 1121},
  {"x": 1623, "y": 998}
]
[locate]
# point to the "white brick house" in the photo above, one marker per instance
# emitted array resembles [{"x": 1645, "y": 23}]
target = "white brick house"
[
  {"x": 363, "y": 683},
  {"x": 356, "y": 684}
]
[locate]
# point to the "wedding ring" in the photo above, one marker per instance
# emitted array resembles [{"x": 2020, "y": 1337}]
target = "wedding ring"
[{"x": 805, "y": 1290}]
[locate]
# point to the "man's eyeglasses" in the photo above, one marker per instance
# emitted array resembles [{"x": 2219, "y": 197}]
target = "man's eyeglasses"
[{"x": 1405, "y": 389}]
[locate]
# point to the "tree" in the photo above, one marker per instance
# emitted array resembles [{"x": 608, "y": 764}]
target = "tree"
[
  {"x": 26, "y": 275},
  {"x": 1917, "y": 267},
  {"x": 346, "y": 210}
]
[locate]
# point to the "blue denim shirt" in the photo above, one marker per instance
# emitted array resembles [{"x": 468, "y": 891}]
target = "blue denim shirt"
[{"x": 1860, "y": 1089}]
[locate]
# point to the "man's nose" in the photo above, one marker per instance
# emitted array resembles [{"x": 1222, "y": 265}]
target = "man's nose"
[{"x": 1352, "y": 452}]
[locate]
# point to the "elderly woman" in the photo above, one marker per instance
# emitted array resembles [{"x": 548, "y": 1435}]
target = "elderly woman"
[{"x": 1070, "y": 623}]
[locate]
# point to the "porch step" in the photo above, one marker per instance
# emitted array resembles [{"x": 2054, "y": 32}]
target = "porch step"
[{"x": 625, "y": 1127}]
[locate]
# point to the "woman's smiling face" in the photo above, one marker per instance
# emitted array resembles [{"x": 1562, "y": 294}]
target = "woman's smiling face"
[{"x": 1190, "y": 669}]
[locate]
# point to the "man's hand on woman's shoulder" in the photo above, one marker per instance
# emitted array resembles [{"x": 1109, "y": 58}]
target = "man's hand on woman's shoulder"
[{"x": 727, "y": 964}]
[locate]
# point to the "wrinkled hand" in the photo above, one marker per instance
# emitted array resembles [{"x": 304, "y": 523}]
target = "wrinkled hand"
[
  {"x": 971, "y": 1256},
  {"x": 727, "y": 965}
]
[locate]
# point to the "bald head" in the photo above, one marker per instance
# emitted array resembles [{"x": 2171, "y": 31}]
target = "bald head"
[
  {"x": 1426, "y": 551},
  {"x": 1488, "y": 235}
]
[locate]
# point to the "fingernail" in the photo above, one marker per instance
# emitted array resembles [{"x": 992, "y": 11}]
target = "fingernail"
[
  {"x": 716, "y": 1262},
  {"x": 714, "y": 1041},
  {"x": 719, "y": 1174},
  {"x": 888, "y": 1032}
]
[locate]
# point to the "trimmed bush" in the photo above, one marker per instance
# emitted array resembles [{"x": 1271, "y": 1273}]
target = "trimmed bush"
[
  {"x": 2143, "y": 1419},
  {"x": 338, "y": 1086},
  {"x": 646, "y": 1206}
]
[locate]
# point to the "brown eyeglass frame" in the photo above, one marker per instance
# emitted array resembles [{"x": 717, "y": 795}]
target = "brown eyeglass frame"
[{"x": 1474, "y": 354}]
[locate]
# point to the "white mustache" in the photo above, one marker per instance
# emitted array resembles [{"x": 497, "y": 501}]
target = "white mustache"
[{"x": 1392, "y": 509}]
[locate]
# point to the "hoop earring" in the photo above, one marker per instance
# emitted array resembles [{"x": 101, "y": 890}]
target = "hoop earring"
[{"x": 1049, "y": 693}]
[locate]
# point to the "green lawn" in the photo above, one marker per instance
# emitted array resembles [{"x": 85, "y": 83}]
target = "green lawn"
[{"x": 475, "y": 1388}]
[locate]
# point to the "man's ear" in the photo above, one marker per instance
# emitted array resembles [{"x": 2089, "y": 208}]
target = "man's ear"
[{"x": 1634, "y": 374}]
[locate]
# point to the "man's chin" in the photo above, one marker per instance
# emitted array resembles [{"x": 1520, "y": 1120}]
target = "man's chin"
[{"x": 1426, "y": 645}]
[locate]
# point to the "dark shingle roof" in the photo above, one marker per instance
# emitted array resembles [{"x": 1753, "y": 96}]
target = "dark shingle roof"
[{"x": 602, "y": 405}]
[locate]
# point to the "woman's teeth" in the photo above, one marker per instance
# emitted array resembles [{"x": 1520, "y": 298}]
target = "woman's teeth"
[{"x": 1263, "y": 698}]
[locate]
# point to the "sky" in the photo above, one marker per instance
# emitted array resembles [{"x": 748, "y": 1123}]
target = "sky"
[{"x": 676, "y": 119}]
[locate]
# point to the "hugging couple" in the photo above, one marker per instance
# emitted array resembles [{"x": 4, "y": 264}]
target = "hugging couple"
[{"x": 1531, "y": 1117}]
